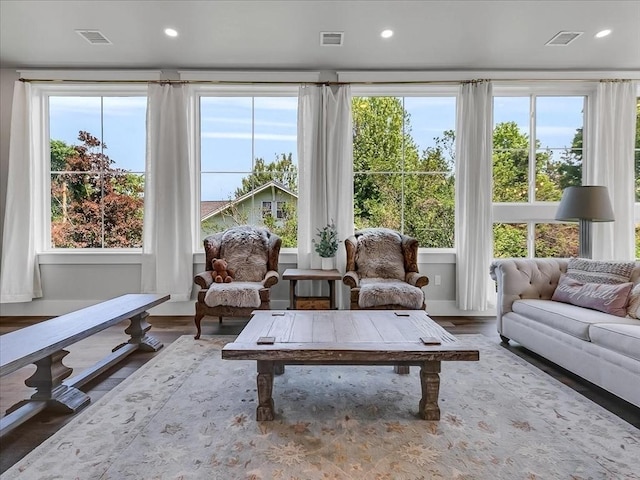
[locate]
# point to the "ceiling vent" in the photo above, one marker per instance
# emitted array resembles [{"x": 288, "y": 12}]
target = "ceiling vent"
[
  {"x": 331, "y": 39},
  {"x": 562, "y": 39},
  {"x": 94, "y": 37}
]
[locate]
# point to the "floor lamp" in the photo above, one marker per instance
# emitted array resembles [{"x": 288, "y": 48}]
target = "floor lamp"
[{"x": 584, "y": 205}]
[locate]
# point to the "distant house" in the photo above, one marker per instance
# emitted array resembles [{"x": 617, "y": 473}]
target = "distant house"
[{"x": 272, "y": 199}]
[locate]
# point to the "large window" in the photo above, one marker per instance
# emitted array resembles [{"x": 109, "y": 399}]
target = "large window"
[
  {"x": 97, "y": 148},
  {"x": 248, "y": 161},
  {"x": 537, "y": 152},
  {"x": 403, "y": 153}
]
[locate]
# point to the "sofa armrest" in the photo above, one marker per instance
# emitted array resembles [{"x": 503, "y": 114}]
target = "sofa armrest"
[
  {"x": 416, "y": 279},
  {"x": 271, "y": 278},
  {"x": 351, "y": 279},
  {"x": 518, "y": 278},
  {"x": 204, "y": 279}
]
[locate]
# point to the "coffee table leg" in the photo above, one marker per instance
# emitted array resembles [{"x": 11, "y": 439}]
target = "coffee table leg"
[
  {"x": 265, "y": 411},
  {"x": 430, "y": 382}
]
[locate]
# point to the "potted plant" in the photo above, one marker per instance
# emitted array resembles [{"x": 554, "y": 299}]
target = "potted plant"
[{"x": 327, "y": 244}]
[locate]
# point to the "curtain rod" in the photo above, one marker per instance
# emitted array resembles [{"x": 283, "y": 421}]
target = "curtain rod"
[{"x": 392, "y": 82}]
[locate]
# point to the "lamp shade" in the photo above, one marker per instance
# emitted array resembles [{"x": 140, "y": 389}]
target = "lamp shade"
[{"x": 589, "y": 202}]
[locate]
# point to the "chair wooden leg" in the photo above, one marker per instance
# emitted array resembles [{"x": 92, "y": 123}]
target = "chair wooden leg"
[{"x": 198, "y": 319}]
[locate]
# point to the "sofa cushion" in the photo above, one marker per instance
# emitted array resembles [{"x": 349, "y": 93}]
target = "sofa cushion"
[
  {"x": 606, "y": 298},
  {"x": 234, "y": 294},
  {"x": 565, "y": 317},
  {"x": 595, "y": 271},
  {"x": 622, "y": 338}
]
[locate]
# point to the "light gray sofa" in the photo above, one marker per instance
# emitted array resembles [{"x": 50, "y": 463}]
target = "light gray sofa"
[{"x": 599, "y": 347}]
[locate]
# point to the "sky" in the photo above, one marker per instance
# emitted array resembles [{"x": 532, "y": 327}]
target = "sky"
[{"x": 236, "y": 130}]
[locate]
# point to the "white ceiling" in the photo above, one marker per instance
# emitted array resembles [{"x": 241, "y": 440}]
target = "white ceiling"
[{"x": 264, "y": 34}]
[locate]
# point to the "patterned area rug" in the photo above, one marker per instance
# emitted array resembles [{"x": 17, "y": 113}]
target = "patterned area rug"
[{"x": 188, "y": 414}]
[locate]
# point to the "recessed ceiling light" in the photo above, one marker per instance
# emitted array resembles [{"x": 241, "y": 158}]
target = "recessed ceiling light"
[
  {"x": 386, "y": 33},
  {"x": 602, "y": 33},
  {"x": 170, "y": 32}
]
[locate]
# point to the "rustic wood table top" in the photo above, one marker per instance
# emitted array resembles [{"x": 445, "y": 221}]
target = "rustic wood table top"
[
  {"x": 310, "y": 274},
  {"x": 345, "y": 336}
]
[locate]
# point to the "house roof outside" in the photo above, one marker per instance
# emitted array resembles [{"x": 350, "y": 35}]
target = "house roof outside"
[{"x": 210, "y": 208}]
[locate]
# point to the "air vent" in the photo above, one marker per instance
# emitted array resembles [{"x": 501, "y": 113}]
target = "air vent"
[
  {"x": 331, "y": 39},
  {"x": 562, "y": 39},
  {"x": 94, "y": 37}
]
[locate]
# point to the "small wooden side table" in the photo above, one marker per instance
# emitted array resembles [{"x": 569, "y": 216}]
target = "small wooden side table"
[{"x": 311, "y": 303}]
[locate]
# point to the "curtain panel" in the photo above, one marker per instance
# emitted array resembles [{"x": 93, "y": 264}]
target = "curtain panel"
[
  {"x": 612, "y": 165},
  {"x": 474, "y": 223},
  {"x": 325, "y": 185},
  {"x": 23, "y": 234},
  {"x": 167, "y": 260}
]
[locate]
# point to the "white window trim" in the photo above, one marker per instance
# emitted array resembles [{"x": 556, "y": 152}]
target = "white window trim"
[{"x": 41, "y": 94}]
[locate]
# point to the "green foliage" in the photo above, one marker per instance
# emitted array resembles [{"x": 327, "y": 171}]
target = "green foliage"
[
  {"x": 327, "y": 244},
  {"x": 281, "y": 170},
  {"x": 101, "y": 207}
]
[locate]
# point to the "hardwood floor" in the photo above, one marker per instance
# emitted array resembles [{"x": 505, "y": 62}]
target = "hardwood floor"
[{"x": 29, "y": 435}]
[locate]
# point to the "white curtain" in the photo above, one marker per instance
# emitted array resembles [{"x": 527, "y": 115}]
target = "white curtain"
[
  {"x": 612, "y": 165},
  {"x": 325, "y": 163},
  {"x": 22, "y": 234},
  {"x": 474, "y": 230},
  {"x": 167, "y": 265}
]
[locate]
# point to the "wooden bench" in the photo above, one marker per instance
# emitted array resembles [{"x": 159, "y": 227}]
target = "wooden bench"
[{"x": 43, "y": 345}]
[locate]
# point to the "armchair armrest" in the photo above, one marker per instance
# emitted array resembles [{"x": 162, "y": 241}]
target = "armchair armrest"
[
  {"x": 271, "y": 278},
  {"x": 204, "y": 279},
  {"x": 416, "y": 279},
  {"x": 351, "y": 279}
]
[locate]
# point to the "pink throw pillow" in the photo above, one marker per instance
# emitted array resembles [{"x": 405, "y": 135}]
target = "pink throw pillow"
[{"x": 605, "y": 298}]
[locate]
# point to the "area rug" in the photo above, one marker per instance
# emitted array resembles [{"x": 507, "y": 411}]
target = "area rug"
[{"x": 188, "y": 414}]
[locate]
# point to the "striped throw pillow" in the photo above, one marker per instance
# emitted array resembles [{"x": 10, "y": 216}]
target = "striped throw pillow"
[{"x": 596, "y": 271}]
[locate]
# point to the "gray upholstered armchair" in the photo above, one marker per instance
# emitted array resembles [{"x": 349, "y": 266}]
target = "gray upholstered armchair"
[
  {"x": 252, "y": 255},
  {"x": 382, "y": 271}
]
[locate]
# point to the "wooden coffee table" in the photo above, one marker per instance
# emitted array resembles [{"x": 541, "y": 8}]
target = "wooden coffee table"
[{"x": 346, "y": 337}]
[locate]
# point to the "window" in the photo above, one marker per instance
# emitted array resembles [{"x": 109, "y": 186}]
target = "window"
[
  {"x": 280, "y": 210},
  {"x": 97, "y": 150},
  {"x": 248, "y": 158},
  {"x": 537, "y": 153},
  {"x": 266, "y": 209},
  {"x": 403, "y": 153}
]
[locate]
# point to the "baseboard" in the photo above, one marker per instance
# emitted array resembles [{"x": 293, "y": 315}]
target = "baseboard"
[{"x": 50, "y": 308}]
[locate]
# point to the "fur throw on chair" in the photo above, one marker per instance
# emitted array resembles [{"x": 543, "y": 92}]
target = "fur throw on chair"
[
  {"x": 379, "y": 254},
  {"x": 385, "y": 291},
  {"x": 246, "y": 250},
  {"x": 235, "y": 294}
]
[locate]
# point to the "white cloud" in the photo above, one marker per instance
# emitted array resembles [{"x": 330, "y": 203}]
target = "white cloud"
[{"x": 261, "y": 103}]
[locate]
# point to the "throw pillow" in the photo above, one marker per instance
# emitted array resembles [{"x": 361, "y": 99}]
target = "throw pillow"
[
  {"x": 633, "y": 310},
  {"x": 605, "y": 298},
  {"x": 595, "y": 271}
]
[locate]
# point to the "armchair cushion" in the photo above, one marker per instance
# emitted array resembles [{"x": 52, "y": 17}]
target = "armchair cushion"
[
  {"x": 234, "y": 294},
  {"x": 379, "y": 254},
  {"x": 386, "y": 291}
]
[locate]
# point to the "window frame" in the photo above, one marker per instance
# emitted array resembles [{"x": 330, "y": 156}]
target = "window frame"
[
  {"x": 424, "y": 90},
  {"x": 534, "y": 211},
  {"x": 41, "y": 94},
  {"x": 239, "y": 90}
]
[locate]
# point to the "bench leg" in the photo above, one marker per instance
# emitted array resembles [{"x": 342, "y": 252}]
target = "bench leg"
[
  {"x": 47, "y": 380},
  {"x": 430, "y": 382},
  {"x": 138, "y": 329}
]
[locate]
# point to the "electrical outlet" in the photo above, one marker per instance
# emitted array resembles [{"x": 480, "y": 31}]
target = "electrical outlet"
[{"x": 438, "y": 280}]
